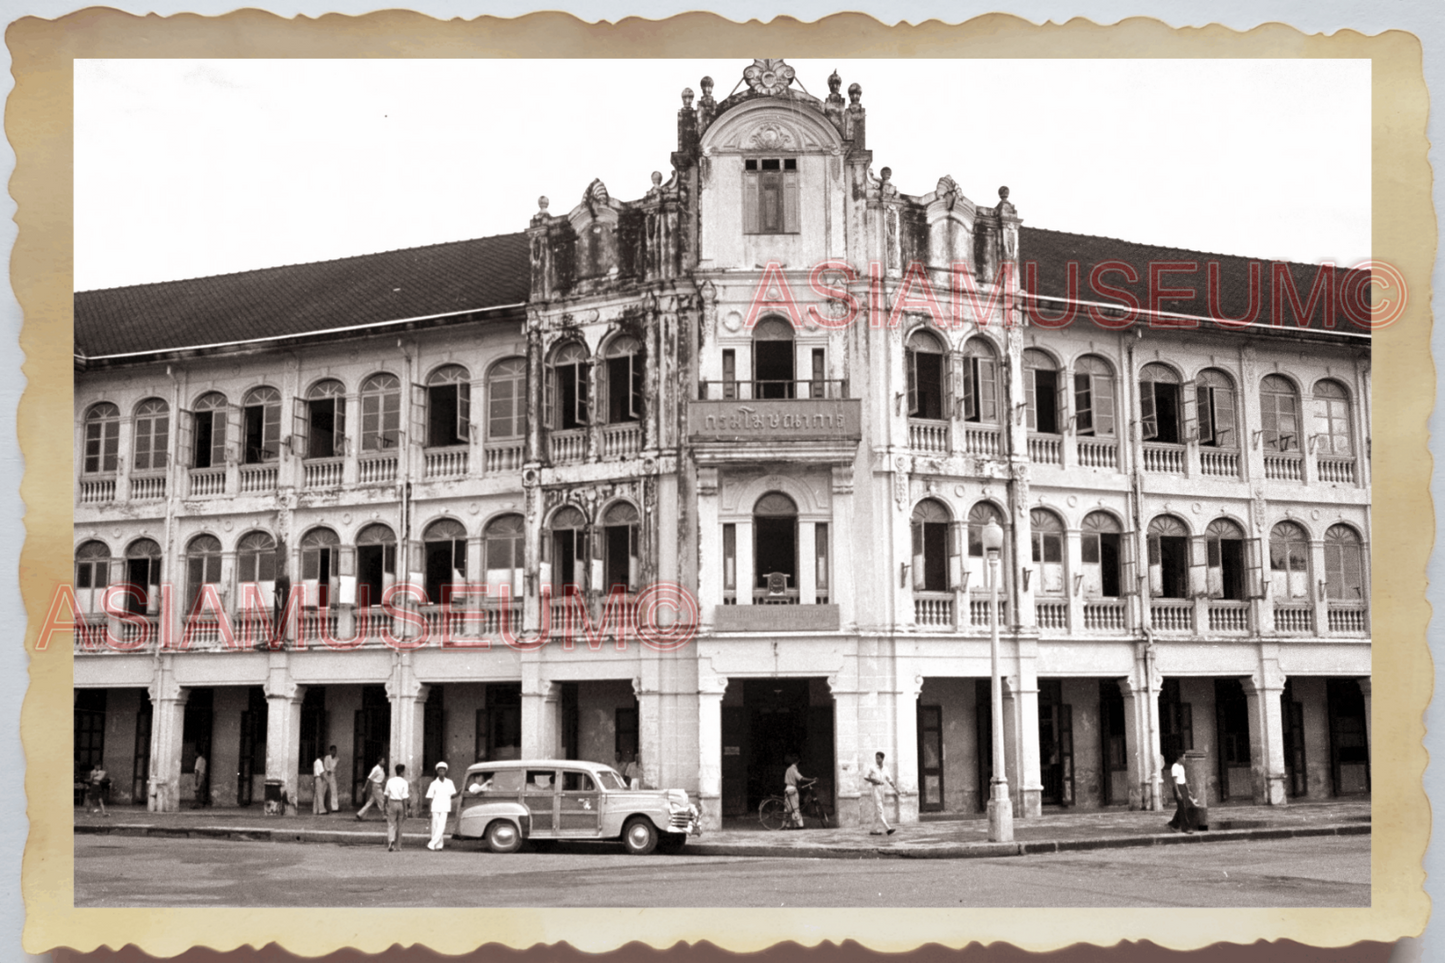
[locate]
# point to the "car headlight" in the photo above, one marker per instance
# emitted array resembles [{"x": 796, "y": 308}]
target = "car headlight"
[{"x": 677, "y": 800}]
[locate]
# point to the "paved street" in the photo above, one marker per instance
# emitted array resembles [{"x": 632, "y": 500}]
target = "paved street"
[{"x": 132, "y": 871}]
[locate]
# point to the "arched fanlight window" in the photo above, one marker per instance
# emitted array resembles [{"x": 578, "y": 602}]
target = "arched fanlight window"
[
  {"x": 1224, "y": 556},
  {"x": 1161, "y": 415},
  {"x": 152, "y": 432},
  {"x": 380, "y": 412},
  {"x": 1215, "y": 409},
  {"x": 143, "y": 570},
  {"x": 620, "y": 526},
  {"x": 1093, "y": 396},
  {"x": 934, "y": 547},
  {"x": 622, "y": 380},
  {"x": 1331, "y": 410},
  {"x": 375, "y": 561},
  {"x": 208, "y": 428},
  {"x": 448, "y": 407},
  {"x": 1344, "y": 565},
  {"x": 1168, "y": 557},
  {"x": 568, "y": 550},
  {"x": 256, "y": 558},
  {"x": 1048, "y": 550},
  {"x": 504, "y": 548},
  {"x": 775, "y": 549},
  {"x": 566, "y": 401},
  {"x": 320, "y": 561},
  {"x": 92, "y": 575},
  {"x": 203, "y": 567},
  {"x": 507, "y": 399},
  {"x": 982, "y": 392},
  {"x": 323, "y": 429},
  {"x": 1101, "y": 551},
  {"x": 977, "y": 561},
  {"x": 261, "y": 414},
  {"x": 773, "y": 359},
  {"x": 445, "y": 544},
  {"x": 102, "y": 438},
  {"x": 1279, "y": 414},
  {"x": 1289, "y": 562},
  {"x": 1041, "y": 391},
  {"x": 927, "y": 365}
]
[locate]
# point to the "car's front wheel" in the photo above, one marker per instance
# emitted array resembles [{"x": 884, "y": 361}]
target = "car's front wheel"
[
  {"x": 503, "y": 837},
  {"x": 639, "y": 836}
]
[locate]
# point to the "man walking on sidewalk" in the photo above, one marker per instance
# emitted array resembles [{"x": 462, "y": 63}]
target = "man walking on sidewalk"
[
  {"x": 398, "y": 792},
  {"x": 318, "y": 787},
  {"x": 878, "y": 777},
  {"x": 440, "y": 792},
  {"x": 328, "y": 763},
  {"x": 375, "y": 783}
]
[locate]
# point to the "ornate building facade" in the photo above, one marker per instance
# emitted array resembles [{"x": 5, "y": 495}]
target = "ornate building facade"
[{"x": 784, "y": 397}]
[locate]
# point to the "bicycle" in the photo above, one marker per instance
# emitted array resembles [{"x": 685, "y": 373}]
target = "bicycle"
[{"x": 773, "y": 811}]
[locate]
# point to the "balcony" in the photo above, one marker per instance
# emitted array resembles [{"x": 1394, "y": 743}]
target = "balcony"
[
  {"x": 1163, "y": 459},
  {"x": 824, "y": 430},
  {"x": 1229, "y": 617},
  {"x": 1046, "y": 449},
  {"x": 982, "y": 440},
  {"x": 322, "y": 472},
  {"x": 1106, "y": 615},
  {"x": 258, "y": 478},
  {"x": 978, "y": 616},
  {"x": 376, "y": 469},
  {"x": 1098, "y": 453},
  {"x": 476, "y": 623},
  {"x": 503, "y": 456},
  {"x": 1347, "y": 618},
  {"x": 1283, "y": 466},
  {"x": 621, "y": 440},
  {"x": 1294, "y": 618},
  {"x": 567, "y": 447},
  {"x": 97, "y": 491},
  {"x": 1052, "y": 614},
  {"x": 933, "y": 609},
  {"x": 206, "y": 482},
  {"x": 1219, "y": 463},
  {"x": 928, "y": 436},
  {"x": 1171, "y": 615},
  {"x": 446, "y": 462},
  {"x": 1336, "y": 470},
  {"x": 148, "y": 488}
]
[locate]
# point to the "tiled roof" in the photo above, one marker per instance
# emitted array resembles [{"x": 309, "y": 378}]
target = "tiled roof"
[
  {"x": 1051, "y": 252},
  {"x": 301, "y": 299}
]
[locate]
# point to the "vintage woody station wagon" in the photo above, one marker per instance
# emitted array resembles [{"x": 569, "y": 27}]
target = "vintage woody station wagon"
[{"x": 507, "y": 803}]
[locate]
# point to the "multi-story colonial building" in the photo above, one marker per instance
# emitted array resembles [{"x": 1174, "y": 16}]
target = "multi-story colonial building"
[{"x": 798, "y": 394}]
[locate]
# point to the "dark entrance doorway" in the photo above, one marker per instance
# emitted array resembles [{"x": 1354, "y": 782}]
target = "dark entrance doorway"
[
  {"x": 1349, "y": 747},
  {"x": 1056, "y": 745},
  {"x": 499, "y": 723},
  {"x": 196, "y": 737},
  {"x": 1292, "y": 715},
  {"x": 930, "y": 758},
  {"x": 252, "y": 757},
  {"x": 370, "y": 738},
  {"x": 778, "y": 717}
]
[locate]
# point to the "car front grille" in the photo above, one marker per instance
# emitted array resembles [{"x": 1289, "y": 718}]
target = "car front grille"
[{"x": 681, "y": 821}]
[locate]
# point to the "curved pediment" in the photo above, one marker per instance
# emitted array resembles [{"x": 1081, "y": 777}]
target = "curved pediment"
[{"x": 765, "y": 125}]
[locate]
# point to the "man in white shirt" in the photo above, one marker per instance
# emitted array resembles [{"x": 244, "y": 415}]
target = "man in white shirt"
[
  {"x": 397, "y": 792},
  {"x": 790, "y": 794},
  {"x": 328, "y": 763},
  {"x": 375, "y": 782},
  {"x": 318, "y": 787},
  {"x": 878, "y": 777},
  {"x": 440, "y": 792}
]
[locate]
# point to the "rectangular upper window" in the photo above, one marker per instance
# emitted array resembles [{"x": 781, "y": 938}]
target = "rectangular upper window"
[{"x": 770, "y": 195}]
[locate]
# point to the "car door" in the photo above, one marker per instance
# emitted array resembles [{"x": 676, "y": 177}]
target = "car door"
[
  {"x": 539, "y": 795},
  {"x": 579, "y": 805}
]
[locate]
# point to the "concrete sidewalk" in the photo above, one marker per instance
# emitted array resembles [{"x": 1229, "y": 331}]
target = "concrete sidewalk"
[{"x": 936, "y": 838}]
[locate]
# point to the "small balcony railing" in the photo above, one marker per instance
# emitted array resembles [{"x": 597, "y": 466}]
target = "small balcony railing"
[
  {"x": 1336, "y": 470},
  {"x": 1172, "y": 615},
  {"x": 1046, "y": 449},
  {"x": 1105, "y": 615},
  {"x": 1098, "y": 453},
  {"x": 474, "y": 623},
  {"x": 97, "y": 491},
  {"x": 823, "y": 388},
  {"x": 925, "y": 435},
  {"x": 503, "y": 456},
  {"x": 568, "y": 446},
  {"x": 1294, "y": 618},
  {"x": 258, "y": 478},
  {"x": 379, "y": 469},
  {"x": 322, "y": 473},
  {"x": 1164, "y": 459},
  {"x": 1346, "y": 619},
  {"x": 147, "y": 488},
  {"x": 1228, "y": 616},
  {"x": 446, "y": 462},
  {"x": 981, "y": 440},
  {"x": 1220, "y": 463},
  {"x": 207, "y": 482},
  {"x": 933, "y": 609},
  {"x": 621, "y": 440},
  {"x": 1052, "y": 614},
  {"x": 978, "y": 613},
  {"x": 1282, "y": 466}
]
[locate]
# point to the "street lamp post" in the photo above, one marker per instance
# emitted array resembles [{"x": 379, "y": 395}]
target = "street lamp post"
[{"x": 1000, "y": 810}]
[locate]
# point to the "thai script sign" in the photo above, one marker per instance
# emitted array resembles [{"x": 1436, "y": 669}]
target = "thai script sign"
[{"x": 780, "y": 420}]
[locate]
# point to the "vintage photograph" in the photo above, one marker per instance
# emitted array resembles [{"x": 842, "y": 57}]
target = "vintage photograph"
[{"x": 654, "y": 483}]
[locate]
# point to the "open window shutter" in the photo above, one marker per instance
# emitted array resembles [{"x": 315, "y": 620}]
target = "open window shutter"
[
  {"x": 1031, "y": 398},
  {"x": 946, "y": 368},
  {"x": 1156, "y": 567},
  {"x": 300, "y": 427},
  {"x": 790, "y": 202},
  {"x": 634, "y": 566},
  {"x": 955, "y": 554},
  {"x": 226, "y": 436},
  {"x": 750, "y": 203},
  {"x": 634, "y": 400},
  {"x": 271, "y": 430},
  {"x": 1223, "y": 412},
  {"x": 1148, "y": 414},
  {"x": 1083, "y": 406},
  {"x": 1198, "y": 566},
  {"x": 598, "y": 543},
  {"x": 987, "y": 390},
  {"x": 464, "y": 412},
  {"x": 584, "y": 379},
  {"x": 918, "y": 563},
  {"x": 1334, "y": 571},
  {"x": 1254, "y": 586},
  {"x": 970, "y": 389},
  {"x": 549, "y": 398},
  {"x": 911, "y": 370},
  {"x": 185, "y": 438},
  {"x": 1103, "y": 398},
  {"x": 1202, "y": 429},
  {"x": 1128, "y": 551},
  {"x": 338, "y": 427},
  {"x": 417, "y": 415}
]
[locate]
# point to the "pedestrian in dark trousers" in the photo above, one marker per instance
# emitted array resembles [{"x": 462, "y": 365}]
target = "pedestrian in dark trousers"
[
  {"x": 398, "y": 791},
  {"x": 1185, "y": 816}
]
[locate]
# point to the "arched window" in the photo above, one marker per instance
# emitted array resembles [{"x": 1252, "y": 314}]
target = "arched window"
[
  {"x": 152, "y": 429},
  {"x": 1279, "y": 414},
  {"x": 567, "y": 380},
  {"x": 1224, "y": 556},
  {"x": 1168, "y": 558},
  {"x": 980, "y": 382},
  {"x": 143, "y": 570},
  {"x": 102, "y": 438},
  {"x": 380, "y": 412},
  {"x": 448, "y": 407},
  {"x": 978, "y": 517},
  {"x": 1101, "y": 552},
  {"x": 375, "y": 561},
  {"x": 324, "y": 429},
  {"x": 505, "y": 544},
  {"x": 775, "y": 549},
  {"x": 619, "y": 536},
  {"x": 208, "y": 446},
  {"x": 203, "y": 567},
  {"x": 1215, "y": 409},
  {"x": 622, "y": 380},
  {"x": 773, "y": 361},
  {"x": 1289, "y": 562},
  {"x": 445, "y": 543},
  {"x": 927, "y": 364},
  {"x": 1048, "y": 550},
  {"x": 1159, "y": 404},
  {"x": 262, "y": 414},
  {"x": 256, "y": 558},
  {"x": 1041, "y": 391},
  {"x": 568, "y": 555},
  {"x": 1331, "y": 419},
  {"x": 92, "y": 575},
  {"x": 933, "y": 539},
  {"x": 507, "y": 399},
  {"x": 320, "y": 557},
  {"x": 1093, "y": 396},
  {"x": 1344, "y": 565}
]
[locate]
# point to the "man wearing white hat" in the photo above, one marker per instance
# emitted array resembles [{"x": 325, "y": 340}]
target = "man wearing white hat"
[{"x": 440, "y": 792}]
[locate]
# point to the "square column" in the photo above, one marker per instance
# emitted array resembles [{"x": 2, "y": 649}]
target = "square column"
[
  {"x": 1266, "y": 734},
  {"x": 541, "y": 715},
  {"x": 408, "y": 712},
  {"x": 851, "y": 758},
  {"x": 841, "y": 590},
  {"x": 1141, "y": 742},
  {"x": 645, "y": 688},
  {"x": 283, "y": 725},
  {"x": 710, "y": 691},
  {"x": 168, "y": 716},
  {"x": 905, "y": 746},
  {"x": 1021, "y": 741}
]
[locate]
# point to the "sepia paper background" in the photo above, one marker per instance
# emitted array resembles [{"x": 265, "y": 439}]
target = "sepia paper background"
[{"x": 1404, "y": 232}]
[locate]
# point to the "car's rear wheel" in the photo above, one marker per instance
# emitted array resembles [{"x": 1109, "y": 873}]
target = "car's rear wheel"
[
  {"x": 639, "y": 836},
  {"x": 671, "y": 843},
  {"x": 771, "y": 813},
  {"x": 503, "y": 837}
]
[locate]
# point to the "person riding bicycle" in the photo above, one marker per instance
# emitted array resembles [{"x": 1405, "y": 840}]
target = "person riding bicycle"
[{"x": 790, "y": 793}]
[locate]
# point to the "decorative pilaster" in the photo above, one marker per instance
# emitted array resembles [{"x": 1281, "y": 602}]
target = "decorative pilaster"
[
  {"x": 710, "y": 689},
  {"x": 1262, "y": 693},
  {"x": 541, "y": 714},
  {"x": 1021, "y": 735},
  {"x": 408, "y": 711},
  {"x": 905, "y": 746},
  {"x": 168, "y": 716},
  {"x": 283, "y": 724}
]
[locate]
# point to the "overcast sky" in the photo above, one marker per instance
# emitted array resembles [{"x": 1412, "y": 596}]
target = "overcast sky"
[{"x": 191, "y": 168}]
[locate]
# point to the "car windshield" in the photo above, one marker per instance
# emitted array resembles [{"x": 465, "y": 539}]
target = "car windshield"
[{"x": 610, "y": 779}]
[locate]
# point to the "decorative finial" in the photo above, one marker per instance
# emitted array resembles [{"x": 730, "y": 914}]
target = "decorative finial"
[
  {"x": 855, "y": 93},
  {"x": 886, "y": 173},
  {"x": 1003, "y": 193},
  {"x": 542, "y": 203},
  {"x": 834, "y": 82},
  {"x": 687, "y": 98},
  {"x": 706, "y": 86},
  {"x": 656, "y": 179},
  {"x": 770, "y": 77}
]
